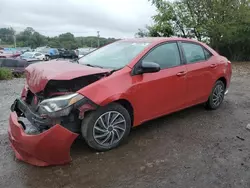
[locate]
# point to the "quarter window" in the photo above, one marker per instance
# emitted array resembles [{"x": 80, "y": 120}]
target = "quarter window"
[
  {"x": 193, "y": 52},
  {"x": 166, "y": 55},
  {"x": 207, "y": 54}
]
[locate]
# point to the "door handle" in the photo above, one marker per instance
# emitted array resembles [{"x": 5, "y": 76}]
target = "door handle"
[
  {"x": 213, "y": 65},
  {"x": 182, "y": 73}
]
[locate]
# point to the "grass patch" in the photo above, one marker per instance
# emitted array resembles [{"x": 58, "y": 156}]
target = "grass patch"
[{"x": 5, "y": 74}]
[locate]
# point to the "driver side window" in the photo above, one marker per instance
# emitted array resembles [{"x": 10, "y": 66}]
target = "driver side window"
[{"x": 166, "y": 55}]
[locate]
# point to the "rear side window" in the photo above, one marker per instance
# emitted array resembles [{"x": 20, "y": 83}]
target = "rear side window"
[
  {"x": 193, "y": 52},
  {"x": 166, "y": 55}
]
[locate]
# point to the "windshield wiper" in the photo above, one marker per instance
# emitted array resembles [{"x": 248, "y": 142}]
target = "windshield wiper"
[
  {"x": 112, "y": 71},
  {"x": 89, "y": 65}
]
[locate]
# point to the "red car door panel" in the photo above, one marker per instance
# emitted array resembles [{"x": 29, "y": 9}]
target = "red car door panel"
[{"x": 163, "y": 92}]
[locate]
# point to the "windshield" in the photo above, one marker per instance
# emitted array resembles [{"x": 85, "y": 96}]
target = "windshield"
[
  {"x": 27, "y": 54},
  {"x": 115, "y": 55}
]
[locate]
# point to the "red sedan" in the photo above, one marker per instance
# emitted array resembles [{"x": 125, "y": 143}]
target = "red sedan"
[
  {"x": 110, "y": 90},
  {"x": 9, "y": 54}
]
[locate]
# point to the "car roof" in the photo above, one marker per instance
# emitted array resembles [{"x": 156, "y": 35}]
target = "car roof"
[{"x": 158, "y": 39}]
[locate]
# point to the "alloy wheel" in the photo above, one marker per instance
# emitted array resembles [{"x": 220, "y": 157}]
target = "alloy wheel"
[
  {"x": 109, "y": 128},
  {"x": 218, "y": 95}
]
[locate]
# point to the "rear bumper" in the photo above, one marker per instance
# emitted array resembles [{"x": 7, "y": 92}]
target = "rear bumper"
[{"x": 51, "y": 147}]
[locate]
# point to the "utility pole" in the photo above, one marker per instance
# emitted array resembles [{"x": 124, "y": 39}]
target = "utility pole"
[
  {"x": 14, "y": 37},
  {"x": 98, "y": 39}
]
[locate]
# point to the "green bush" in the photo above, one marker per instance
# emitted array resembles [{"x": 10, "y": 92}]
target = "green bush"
[{"x": 5, "y": 74}]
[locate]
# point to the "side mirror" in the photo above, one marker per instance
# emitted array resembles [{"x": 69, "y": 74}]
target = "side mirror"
[{"x": 148, "y": 67}]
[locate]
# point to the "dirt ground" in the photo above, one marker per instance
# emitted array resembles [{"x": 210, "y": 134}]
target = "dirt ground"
[{"x": 191, "y": 148}]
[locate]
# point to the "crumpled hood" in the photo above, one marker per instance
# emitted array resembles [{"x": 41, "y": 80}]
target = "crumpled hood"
[{"x": 38, "y": 74}]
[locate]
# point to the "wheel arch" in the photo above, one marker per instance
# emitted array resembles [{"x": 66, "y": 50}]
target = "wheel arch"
[
  {"x": 224, "y": 80},
  {"x": 123, "y": 102},
  {"x": 128, "y": 106}
]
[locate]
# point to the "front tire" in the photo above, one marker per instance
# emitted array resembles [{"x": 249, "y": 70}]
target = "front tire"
[
  {"x": 47, "y": 58},
  {"x": 217, "y": 96},
  {"x": 107, "y": 127}
]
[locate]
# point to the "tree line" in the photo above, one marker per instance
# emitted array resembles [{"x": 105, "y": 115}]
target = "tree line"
[
  {"x": 31, "y": 38},
  {"x": 223, "y": 24}
]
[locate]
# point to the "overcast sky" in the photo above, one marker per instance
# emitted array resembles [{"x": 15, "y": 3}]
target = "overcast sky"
[{"x": 113, "y": 18}]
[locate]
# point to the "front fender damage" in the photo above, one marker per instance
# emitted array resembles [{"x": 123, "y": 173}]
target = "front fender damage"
[
  {"x": 43, "y": 140},
  {"x": 51, "y": 147}
]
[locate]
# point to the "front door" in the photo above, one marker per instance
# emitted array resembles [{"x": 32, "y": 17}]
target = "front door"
[{"x": 164, "y": 91}]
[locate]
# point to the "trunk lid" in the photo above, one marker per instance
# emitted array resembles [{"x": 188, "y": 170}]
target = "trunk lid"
[{"x": 38, "y": 74}]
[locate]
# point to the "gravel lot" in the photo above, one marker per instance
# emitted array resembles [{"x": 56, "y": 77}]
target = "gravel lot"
[{"x": 191, "y": 148}]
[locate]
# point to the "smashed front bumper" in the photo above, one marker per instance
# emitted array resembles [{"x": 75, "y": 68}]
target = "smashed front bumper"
[{"x": 51, "y": 147}]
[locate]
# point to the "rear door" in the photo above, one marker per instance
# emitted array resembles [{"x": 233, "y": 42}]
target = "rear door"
[
  {"x": 201, "y": 72},
  {"x": 164, "y": 91}
]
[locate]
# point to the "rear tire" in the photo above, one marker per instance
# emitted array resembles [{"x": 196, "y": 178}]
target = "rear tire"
[
  {"x": 107, "y": 127},
  {"x": 216, "y": 97}
]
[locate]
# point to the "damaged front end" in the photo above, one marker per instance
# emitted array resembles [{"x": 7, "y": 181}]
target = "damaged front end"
[{"x": 43, "y": 126}]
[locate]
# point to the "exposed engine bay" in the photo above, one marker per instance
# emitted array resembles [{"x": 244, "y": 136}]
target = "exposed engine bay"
[{"x": 62, "y": 87}]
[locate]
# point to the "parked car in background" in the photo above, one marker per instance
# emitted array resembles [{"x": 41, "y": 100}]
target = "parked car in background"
[
  {"x": 112, "y": 89},
  {"x": 33, "y": 56},
  {"x": 69, "y": 54},
  {"x": 61, "y": 52},
  {"x": 10, "y": 54},
  {"x": 17, "y": 66},
  {"x": 50, "y": 53},
  {"x": 85, "y": 51}
]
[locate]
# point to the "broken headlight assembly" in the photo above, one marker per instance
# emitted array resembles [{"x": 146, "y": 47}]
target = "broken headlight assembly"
[{"x": 59, "y": 106}]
